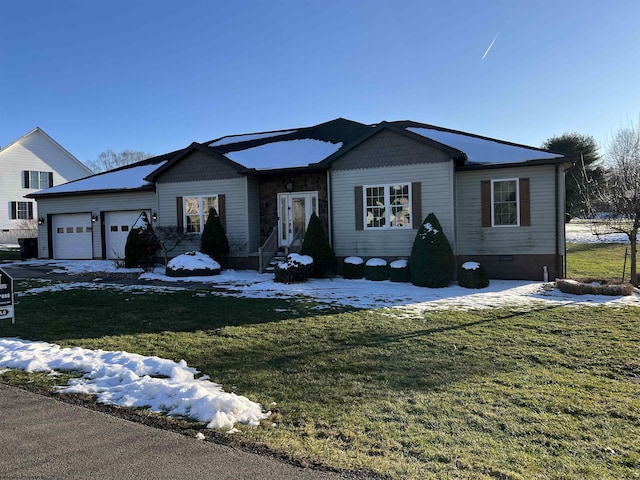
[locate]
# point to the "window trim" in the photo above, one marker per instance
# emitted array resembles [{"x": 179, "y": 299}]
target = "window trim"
[
  {"x": 493, "y": 202},
  {"x": 27, "y": 181},
  {"x": 202, "y": 215},
  {"x": 15, "y": 210},
  {"x": 388, "y": 206}
]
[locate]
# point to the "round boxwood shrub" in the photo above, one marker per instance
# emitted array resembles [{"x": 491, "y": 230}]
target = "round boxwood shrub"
[
  {"x": 214, "y": 240},
  {"x": 399, "y": 271},
  {"x": 141, "y": 245},
  {"x": 472, "y": 275},
  {"x": 353, "y": 268},
  {"x": 376, "y": 269},
  {"x": 192, "y": 264},
  {"x": 316, "y": 245},
  {"x": 297, "y": 268},
  {"x": 431, "y": 263}
]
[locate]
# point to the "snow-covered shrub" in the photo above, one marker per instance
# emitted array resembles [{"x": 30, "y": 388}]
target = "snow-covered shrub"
[
  {"x": 192, "y": 264},
  {"x": 399, "y": 271},
  {"x": 353, "y": 268},
  {"x": 297, "y": 268},
  {"x": 592, "y": 286},
  {"x": 214, "y": 241},
  {"x": 472, "y": 275},
  {"x": 316, "y": 245},
  {"x": 376, "y": 269},
  {"x": 141, "y": 245},
  {"x": 431, "y": 263}
]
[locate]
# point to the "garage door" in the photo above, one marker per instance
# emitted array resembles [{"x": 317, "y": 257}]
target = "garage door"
[
  {"x": 71, "y": 235},
  {"x": 116, "y": 230}
]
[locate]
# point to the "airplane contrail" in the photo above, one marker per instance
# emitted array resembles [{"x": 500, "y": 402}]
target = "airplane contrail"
[{"x": 487, "y": 52}]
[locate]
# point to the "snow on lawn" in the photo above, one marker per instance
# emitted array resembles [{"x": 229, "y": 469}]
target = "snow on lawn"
[
  {"x": 582, "y": 232},
  {"x": 132, "y": 380}
]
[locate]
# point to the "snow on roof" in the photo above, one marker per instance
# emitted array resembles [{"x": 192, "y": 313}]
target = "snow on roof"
[
  {"x": 484, "y": 151},
  {"x": 285, "y": 154},
  {"x": 123, "y": 179},
  {"x": 247, "y": 137}
]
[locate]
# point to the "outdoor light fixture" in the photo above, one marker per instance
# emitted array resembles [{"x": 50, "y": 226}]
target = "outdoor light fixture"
[
  {"x": 40, "y": 220},
  {"x": 94, "y": 218},
  {"x": 290, "y": 186},
  {"x": 154, "y": 216}
]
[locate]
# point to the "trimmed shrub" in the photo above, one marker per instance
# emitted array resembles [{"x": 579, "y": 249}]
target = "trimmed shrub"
[
  {"x": 296, "y": 269},
  {"x": 214, "y": 240},
  {"x": 193, "y": 264},
  {"x": 353, "y": 268},
  {"x": 141, "y": 245},
  {"x": 316, "y": 245},
  {"x": 472, "y": 275},
  {"x": 399, "y": 271},
  {"x": 592, "y": 286},
  {"x": 431, "y": 263},
  {"x": 376, "y": 269}
]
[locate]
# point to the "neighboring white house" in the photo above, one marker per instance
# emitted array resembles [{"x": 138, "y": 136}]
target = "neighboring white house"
[{"x": 33, "y": 162}]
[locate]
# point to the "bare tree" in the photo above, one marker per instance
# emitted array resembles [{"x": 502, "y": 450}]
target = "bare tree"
[
  {"x": 108, "y": 160},
  {"x": 169, "y": 239},
  {"x": 621, "y": 196}
]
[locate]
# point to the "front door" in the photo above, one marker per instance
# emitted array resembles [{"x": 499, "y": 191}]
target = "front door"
[{"x": 294, "y": 212}]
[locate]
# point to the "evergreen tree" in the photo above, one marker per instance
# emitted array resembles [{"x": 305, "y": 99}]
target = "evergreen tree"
[
  {"x": 431, "y": 263},
  {"x": 214, "y": 240},
  {"x": 583, "y": 178},
  {"x": 316, "y": 245},
  {"x": 141, "y": 245}
]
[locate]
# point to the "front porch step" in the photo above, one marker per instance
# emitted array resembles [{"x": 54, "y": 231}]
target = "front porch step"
[{"x": 275, "y": 260}]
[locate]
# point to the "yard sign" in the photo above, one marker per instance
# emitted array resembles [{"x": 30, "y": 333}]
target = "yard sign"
[{"x": 6, "y": 296}]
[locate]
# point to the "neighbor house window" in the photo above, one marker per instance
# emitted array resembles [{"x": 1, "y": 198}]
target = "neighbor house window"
[
  {"x": 196, "y": 212},
  {"x": 387, "y": 206},
  {"x": 21, "y": 210},
  {"x": 36, "y": 179},
  {"x": 504, "y": 202}
]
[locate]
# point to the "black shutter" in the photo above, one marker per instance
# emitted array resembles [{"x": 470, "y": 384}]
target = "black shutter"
[
  {"x": 13, "y": 208},
  {"x": 25, "y": 179},
  {"x": 179, "y": 222},
  {"x": 416, "y": 204},
  {"x": 525, "y": 203},
  {"x": 51, "y": 179},
  {"x": 222, "y": 211},
  {"x": 30, "y": 208},
  {"x": 485, "y": 202}
]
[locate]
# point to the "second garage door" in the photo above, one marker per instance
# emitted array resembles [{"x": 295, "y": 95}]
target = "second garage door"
[
  {"x": 72, "y": 236},
  {"x": 116, "y": 229}
]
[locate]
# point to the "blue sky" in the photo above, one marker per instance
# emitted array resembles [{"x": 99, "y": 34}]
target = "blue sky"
[{"x": 156, "y": 76}]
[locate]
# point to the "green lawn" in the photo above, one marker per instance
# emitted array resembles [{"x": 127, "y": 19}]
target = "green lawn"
[
  {"x": 597, "y": 260},
  {"x": 499, "y": 393}
]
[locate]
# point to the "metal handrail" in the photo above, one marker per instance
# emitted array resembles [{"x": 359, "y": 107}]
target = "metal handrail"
[{"x": 296, "y": 243}]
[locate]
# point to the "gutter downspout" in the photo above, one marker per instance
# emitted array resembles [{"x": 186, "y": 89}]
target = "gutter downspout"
[
  {"x": 557, "y": 203},
  {"x": 329, "y": 209}
]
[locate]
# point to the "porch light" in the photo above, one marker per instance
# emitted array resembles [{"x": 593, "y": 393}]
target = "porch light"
[
  {"x": 94, "y": 218},
  {"x": 40, "y": 220},
  {"x": 154, "y": 216},
  {"x": 289, "y": 186}
]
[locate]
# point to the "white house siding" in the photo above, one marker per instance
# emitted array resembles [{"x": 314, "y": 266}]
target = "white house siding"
[
  {"x": 35, "y": 151},
  {"x": 93, "y": 204},
  {"x": 436, "y": 181},
  {"x": 539, "y": 238},
  {"x": 236, "y": 211}
]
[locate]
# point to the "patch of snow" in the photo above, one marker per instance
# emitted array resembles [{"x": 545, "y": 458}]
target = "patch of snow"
[
  {"x": 247, "y": 137},
  {"x": 294, "y": 259},
  {"x": 484, "y": 150},
  {"x": 285, "y": 154},
  {"x": 470, "y": 266},
  {"x": 429, "y": 228},
  {"x": 376, "y": 262},
  {"x": 399, "y": 264},
  {"x": 354, "y": 260},
  {"x": 582, "y": 232},
  {"x": 125, "y": 179},
  {"x": 132, "y": 380},
  {"x": 193, "y": 261}
]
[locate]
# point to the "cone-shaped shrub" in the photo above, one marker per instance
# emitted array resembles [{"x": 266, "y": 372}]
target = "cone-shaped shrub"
[
  {"x": 316, "y": 245},
  {"x": 353, "y": 268},
  {"x": 472, "y": 275},
  {"x": 431, "y": 263},
  {"x": 376, "y": 269},
  {"x": 214, "y": 241},
  {"x": 399, "y": 271},
  {"x": 141, "y": 245}
]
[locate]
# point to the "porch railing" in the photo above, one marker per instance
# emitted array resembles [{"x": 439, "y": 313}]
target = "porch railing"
[
  {"x": 268, "y": 248},
  {"x": 296, "y": 243}
]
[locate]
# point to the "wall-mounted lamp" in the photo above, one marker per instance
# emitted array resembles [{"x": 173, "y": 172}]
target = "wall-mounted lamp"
[
  {"x": 40, "y": 220},
  {"x": 94, "y": 218},
  {"x": 289, "y": 186},
  {"x": 154, "y": 216}
]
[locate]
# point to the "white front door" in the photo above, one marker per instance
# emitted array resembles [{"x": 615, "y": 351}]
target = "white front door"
[{"x": 294, "y": 212}]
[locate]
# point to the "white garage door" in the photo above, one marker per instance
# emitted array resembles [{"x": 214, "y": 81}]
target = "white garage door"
[
  {"x": 116, "y": 229},
  {"x": 72, "y": 236}
]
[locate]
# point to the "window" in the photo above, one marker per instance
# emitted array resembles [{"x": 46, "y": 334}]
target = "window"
[
  {"x": 387, "y": 206},
  {"x": 505, "y": 203},
  {"x": 196, "y": 212},
  {"x": 21, "y": 210},
  {"x": 37, "y": 180}
]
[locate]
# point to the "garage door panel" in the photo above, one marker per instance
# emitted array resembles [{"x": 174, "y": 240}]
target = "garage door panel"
[
  {"x": 117, "y": 226},
  {"x": 72, "y": 236}
]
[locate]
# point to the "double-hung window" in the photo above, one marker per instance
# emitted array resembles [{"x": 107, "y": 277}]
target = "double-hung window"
[
  {"x": 387, "y": 206},
  {"x": 36, "y": 179},
  {"x": 196, "y": 212},
  {"x": 21, "y": 210},
  {"x": 505, "y": 202}
]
